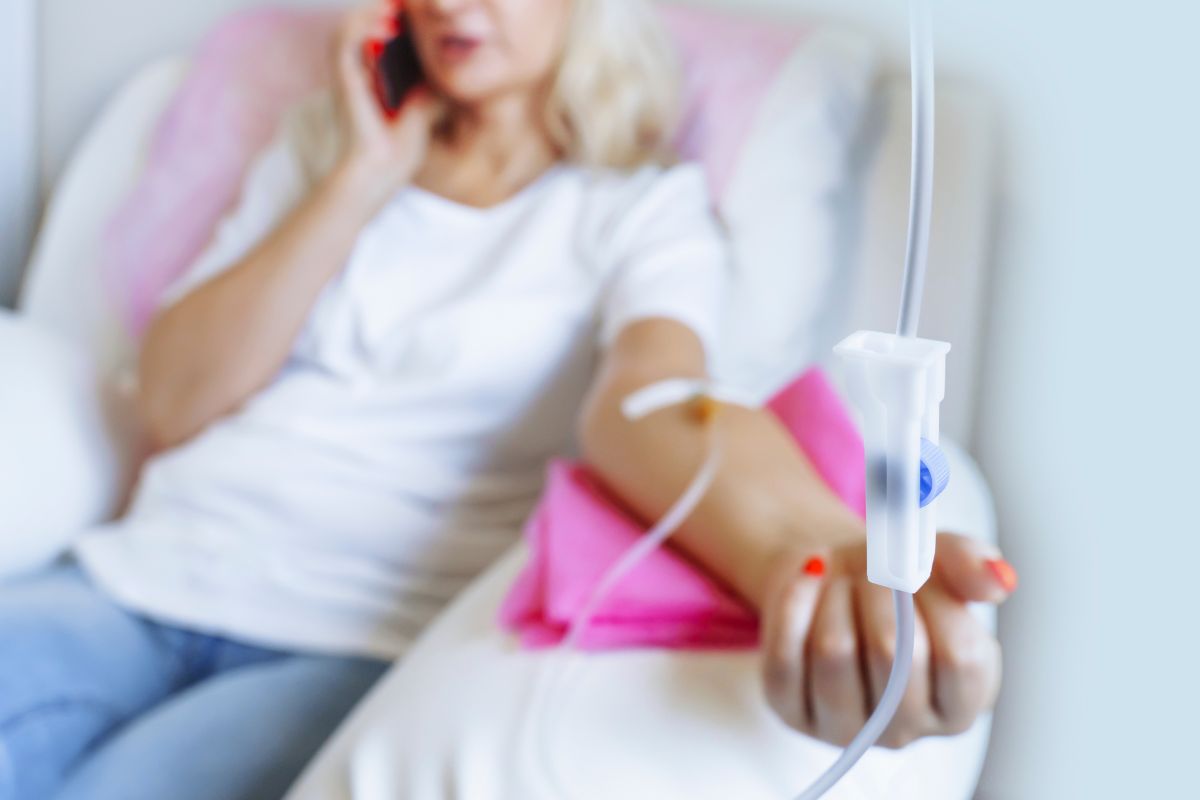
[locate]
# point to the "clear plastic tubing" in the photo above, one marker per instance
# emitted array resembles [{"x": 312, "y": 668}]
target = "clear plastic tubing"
[
  {"x": 549, "y": 697},
  {"x": 556, "y": 668},
  {"x": 881, "y": 717},
  {"x": 916, "y": 255}
]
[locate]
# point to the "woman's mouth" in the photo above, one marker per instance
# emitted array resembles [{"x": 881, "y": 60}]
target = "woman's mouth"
[{"x": 455, "y": 48}]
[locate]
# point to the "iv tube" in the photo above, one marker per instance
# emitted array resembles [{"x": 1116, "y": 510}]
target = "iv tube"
[
  {"x": 921, "y": 202},
  {"x": 919, "y": 213}
]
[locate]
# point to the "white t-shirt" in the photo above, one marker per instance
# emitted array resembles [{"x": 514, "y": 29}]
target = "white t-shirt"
[{"x": 402, "y": 445}]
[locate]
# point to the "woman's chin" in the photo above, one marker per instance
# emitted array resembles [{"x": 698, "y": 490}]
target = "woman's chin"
[
  {"x": 466, "y": 86},
  {"x": 468, "y": 95}
]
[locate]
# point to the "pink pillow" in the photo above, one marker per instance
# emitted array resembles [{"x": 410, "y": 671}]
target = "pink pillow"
[
  {"x": 255, "y": 64},
  {"x": 723, "y": 87},
  {"x": 244, "y": 75},
  {"x": 578, "y": 532}
]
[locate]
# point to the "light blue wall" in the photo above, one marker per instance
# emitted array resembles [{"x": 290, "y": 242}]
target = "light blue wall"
[
  {"x": 1089, "y": 432},
  {"x": 18, "y": 139},
  {"x": 1089, "y": 422}
]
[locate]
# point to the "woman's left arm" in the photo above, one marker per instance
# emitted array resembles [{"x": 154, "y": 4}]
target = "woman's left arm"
[
  {"x": 828, "y": 634},
  {"x": 766, "y": 496}
]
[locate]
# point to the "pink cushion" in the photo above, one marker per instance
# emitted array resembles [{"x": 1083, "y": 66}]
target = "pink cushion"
[
  {"x": 723, "y": 87},
  {"x": 244, "y": 75},
  {"x": 255, "y": 64},
  {"x": 578, "y": 532}
]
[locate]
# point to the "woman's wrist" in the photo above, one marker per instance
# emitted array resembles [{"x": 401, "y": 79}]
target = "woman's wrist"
[
  {"x": 835, "y": 528},
  {"x": 361, "y": 185},
  {"x": 792, "y": 540}
]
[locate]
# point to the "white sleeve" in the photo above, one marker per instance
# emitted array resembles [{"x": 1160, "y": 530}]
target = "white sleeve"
[
  {"x": 672, "y": 260},
  {"x": 274, "y": 185}
]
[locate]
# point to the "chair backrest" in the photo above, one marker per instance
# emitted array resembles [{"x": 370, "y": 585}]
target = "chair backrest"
[
  {"x": 62, "y": 287},
  {"x": 869, "y": 220},
  {"x": 768, "y": 110}
]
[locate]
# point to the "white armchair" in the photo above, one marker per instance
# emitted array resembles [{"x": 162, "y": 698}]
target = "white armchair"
[
  {"x": 445, "y": 722},
  {"x": 69, "y": 441},
  {"x": 452, "y": 720},
  {"x": 59, "y": 467}
]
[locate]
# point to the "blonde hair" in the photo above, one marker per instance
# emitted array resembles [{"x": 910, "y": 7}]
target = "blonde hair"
[{"x": 614, "y": 98}]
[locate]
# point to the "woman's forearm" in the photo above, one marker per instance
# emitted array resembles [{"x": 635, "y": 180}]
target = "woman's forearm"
[
  {"x": 765, "y": 497},
  {"x": 227, "y": 338}
]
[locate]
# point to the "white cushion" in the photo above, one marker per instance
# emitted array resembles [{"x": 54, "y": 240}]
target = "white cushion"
[
  {"x": 63, "y": 291},
  {"x": 70, "y": 441},
  {"x": 782, "y": 209},
  {"x": 65, "y": 455}
]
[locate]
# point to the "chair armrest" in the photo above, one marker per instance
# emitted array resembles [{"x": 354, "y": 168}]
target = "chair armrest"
[
  {"x": 66, "y": 445},
  {"x": 451, "y": 719},
  {"x": 966, "y": 506}
]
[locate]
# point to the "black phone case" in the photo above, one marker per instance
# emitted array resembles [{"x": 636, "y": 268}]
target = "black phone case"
[{"x": 399, "y": 70}]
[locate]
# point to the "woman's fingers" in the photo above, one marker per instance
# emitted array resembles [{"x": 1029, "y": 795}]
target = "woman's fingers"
[
  {"x": 965, "y": 659},
  {"x": 876, "y": 634},
  {"x": 972, "y": 570},
  {"x": 351, "y": 66},
  {"x": 385, "y": 23},
  {"x": 877, "y": 638},
  {"x": 360, "y": 38},
  {"x": 787, "y": 620},
  {"x": 388, "y": 147},
  {"x": 419, "y": 110},
  {"x": 829, "y": 644},
  {"x": 835, "y": 676}
]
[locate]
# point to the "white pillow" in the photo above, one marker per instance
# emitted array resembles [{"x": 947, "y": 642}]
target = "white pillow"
[
  {"x": 63, "y": 290},
  {"x": 783, "y": 211},
  {"x": 61, "y": 468}
]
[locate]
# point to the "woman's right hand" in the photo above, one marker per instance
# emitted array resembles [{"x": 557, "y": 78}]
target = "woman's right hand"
[
  {"x": 384, "y": 153},
  {"x": 829, "y": 636}
]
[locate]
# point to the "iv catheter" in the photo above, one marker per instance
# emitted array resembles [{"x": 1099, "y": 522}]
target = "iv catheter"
[{"x": 896, "y": 382}]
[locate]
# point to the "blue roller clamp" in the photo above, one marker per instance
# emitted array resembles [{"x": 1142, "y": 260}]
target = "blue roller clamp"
[{"x": 935, "y": 472}]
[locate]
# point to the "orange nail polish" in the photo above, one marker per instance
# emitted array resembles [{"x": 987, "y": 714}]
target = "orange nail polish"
[
  {"x": 1003, "y": 572},
  {"x": 814, "y": 567}
]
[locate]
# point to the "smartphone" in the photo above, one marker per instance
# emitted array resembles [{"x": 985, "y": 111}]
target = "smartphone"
[{"x": 394, "y": 66}]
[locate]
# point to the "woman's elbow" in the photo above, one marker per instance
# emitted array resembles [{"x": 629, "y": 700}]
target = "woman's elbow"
[
  {"x": 167, "y": 409},
  {"x": 164, "y": 417},
  {"x": 598, "y": 427},
  {"x": 607, "y": 438},
  {"x": 587, "y": 430}
]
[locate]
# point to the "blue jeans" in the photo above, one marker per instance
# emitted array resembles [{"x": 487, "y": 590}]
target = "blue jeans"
[{"x": 97, "y": 703}]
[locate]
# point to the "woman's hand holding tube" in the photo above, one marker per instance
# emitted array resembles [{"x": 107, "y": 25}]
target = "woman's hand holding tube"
[
  {"x": 384, "y": 153},
  {"x": 829, "y": 636},
  {"x": 767, "y": 526}
]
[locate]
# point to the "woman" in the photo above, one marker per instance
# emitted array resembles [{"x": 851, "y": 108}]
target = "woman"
[{"x": 353, "y": 393}]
